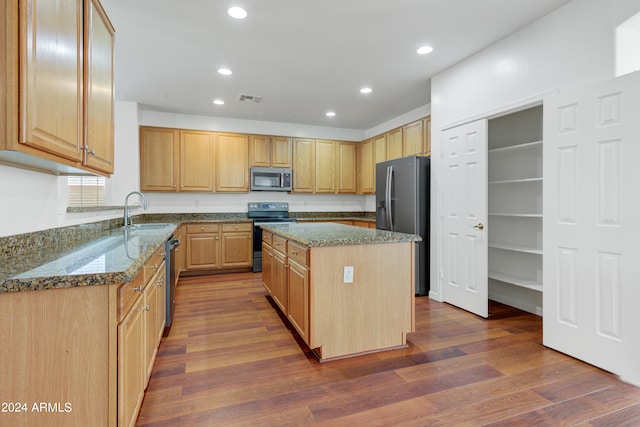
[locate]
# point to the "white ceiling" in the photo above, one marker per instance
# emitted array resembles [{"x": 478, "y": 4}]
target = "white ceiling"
[{"x": 303, "y": 57}]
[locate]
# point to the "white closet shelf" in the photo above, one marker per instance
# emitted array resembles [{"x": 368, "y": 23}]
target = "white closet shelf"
[
  {"x": 524, "y": 146},
  {"x": 516, "y": 248},
  {"x": 515, "y": 215},
  {"x": 515, "y": 181},
  {"x": 515, "y": 280}
]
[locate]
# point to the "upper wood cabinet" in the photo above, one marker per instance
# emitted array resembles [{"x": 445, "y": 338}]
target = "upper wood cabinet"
[
  {"x": 380, "y": 148},
  {"x": 325, "y": 166},
  {"x": 98, "y": 88},
  {"x": 196, "y": 160},
  {"x": 427, "y": 135},
  {"x": 394, "y": 144},
  {"x": 366, "y": 167},
  {"x": 176, "y": 160},
  {"x": 232, "y": 162},
  {"x": 56, "y": 60},
  {"x": 412, "y": 139},
  {"x": 346, "y": 167},
  {"x": 159, "y": 154},
  {"x": 270, "y": 151},
  {"x": 304, "y": 170}
]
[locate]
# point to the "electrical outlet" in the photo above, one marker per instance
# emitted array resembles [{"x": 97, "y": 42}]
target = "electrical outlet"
[{"x": 348, "y": 274}]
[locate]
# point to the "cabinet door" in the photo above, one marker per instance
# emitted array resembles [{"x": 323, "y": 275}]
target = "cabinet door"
[
  {"x": 304, "y": 169},
  {"x": 379, "y": 149},
  {"x": 232, "y": 162},
  {"x": 203, "y": 251},
  {"x": 427, "y": 135},
  {"x": 281, "y": 152},
  {"x": 99, "y": 89},
  {"x": 131, "y": 367},
  {"x": 159, "y": 159},
  {"x": 196, "y": 160},
  {"x": 260, "y": 150},
  {"x": 51, "y": 107},
  {"x": 366, "y": 168},
  {"x": 412, "y": 143},
  {"x": 346, "y": 167},
  {"x": 325, "y": 166},
  {"x": 237, "y": 249},
  {"x": 149, "y": 322},
  {"x": 279, "y": 280},
  {"x": 394, "y": 144},
  {"x": 267, "y": 267},
  {"x": 298, "y": 306}
]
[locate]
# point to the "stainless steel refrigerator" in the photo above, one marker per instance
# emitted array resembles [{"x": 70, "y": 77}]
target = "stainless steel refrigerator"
[{"x": 402, "y": 205}]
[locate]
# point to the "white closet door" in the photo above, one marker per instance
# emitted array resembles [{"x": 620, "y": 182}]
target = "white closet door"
[
  {"x": 591, "y": 233},
  {"x": 465, "y": 217}
]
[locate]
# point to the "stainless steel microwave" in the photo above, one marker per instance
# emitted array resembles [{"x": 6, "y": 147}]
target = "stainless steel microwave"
[{"x": 271, "y": 179}]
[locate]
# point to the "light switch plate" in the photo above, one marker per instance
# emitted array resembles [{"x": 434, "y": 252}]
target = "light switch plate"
[{"x": 348, "y": 274}]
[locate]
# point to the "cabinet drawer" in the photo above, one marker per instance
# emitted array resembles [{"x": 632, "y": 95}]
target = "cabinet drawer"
[
  {"x": 279, "y": 244},
  {"x": 240, "y": 226},
  {"x": 128, "y": 294},
  {"x": 267, "y": 238},
  {"x": 154, "y": 263},
  {"x": 203, "y": 228},
  {"x": 298, "y": 253}
]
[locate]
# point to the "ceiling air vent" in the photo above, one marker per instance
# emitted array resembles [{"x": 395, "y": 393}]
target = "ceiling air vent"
[{"x": 249, "y": 98}]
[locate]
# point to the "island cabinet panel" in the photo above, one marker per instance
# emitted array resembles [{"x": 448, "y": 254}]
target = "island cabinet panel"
[
  {"x": 307, "y": 284},
  {"x": 378, "y": 306}
]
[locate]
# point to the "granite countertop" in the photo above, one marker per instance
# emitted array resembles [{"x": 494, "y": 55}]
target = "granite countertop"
[
  {"x": 88, "y": 254},
  {"x": 329, "y": 234},
  {"x": 114, "y": 257}
]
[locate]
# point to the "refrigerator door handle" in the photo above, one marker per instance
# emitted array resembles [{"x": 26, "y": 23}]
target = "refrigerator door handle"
[{"x": 387, "y": 197}]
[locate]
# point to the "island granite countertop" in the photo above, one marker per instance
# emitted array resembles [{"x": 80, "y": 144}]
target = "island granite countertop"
[{"x": 330, "y": 234}]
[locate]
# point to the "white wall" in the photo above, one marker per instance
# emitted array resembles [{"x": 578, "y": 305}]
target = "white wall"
[{"x": 572, "y": 46}]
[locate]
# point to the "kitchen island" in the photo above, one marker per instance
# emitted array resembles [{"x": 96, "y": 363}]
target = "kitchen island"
[{"x": 346, "y": 290}]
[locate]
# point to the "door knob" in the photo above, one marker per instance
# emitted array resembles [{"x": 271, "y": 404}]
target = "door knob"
[{"x": 479, "y": 226}]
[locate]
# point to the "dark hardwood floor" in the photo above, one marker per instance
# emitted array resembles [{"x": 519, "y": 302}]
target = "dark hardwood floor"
[{"x": 230, "y": 359}]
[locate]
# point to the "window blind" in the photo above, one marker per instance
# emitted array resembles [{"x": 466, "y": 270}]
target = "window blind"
[{"x": 86, "y": 191}]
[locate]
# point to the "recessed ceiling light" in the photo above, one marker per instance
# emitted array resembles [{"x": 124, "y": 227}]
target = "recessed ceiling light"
[
  {"x": 218, "y": 101},
  {"x": 237, "y": 12},
  {"x": 366, "y": 90},
  {"x": 331, "y": 113},
  {"x": 423, "y": 50},
  {"x": 224, "y": 71}
]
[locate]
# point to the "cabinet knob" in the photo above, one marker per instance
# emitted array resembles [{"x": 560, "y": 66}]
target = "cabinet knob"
[
  {"x": 235, "y": 227},
  {"x": 160, "y": 282},
  {"x": 138, "y": 288},
  {"x": 479, "y": 226},
  {"x": 155, "y": 266},
  {"x": 201, "y": 228},
  {"x": 294, "y": 252},
  {"x": 147, "y": 308}
]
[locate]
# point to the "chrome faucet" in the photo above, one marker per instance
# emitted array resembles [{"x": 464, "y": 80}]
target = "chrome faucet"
[{"x": 127, "y": 215}]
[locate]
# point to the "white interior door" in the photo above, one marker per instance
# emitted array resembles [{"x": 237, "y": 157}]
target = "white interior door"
[
  {"x": 591, "y": 236},
  {"x": 465, "y": 217}
]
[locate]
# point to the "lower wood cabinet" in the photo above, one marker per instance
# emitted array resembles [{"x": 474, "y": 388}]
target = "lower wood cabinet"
[
  {"x": 216, "y": 246},
  {"x": 139, "y": 336},
  {"x": 88, "y": 349},
  {"x": 298, "y": 298},
  {"x": 285, "y": 275}
]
